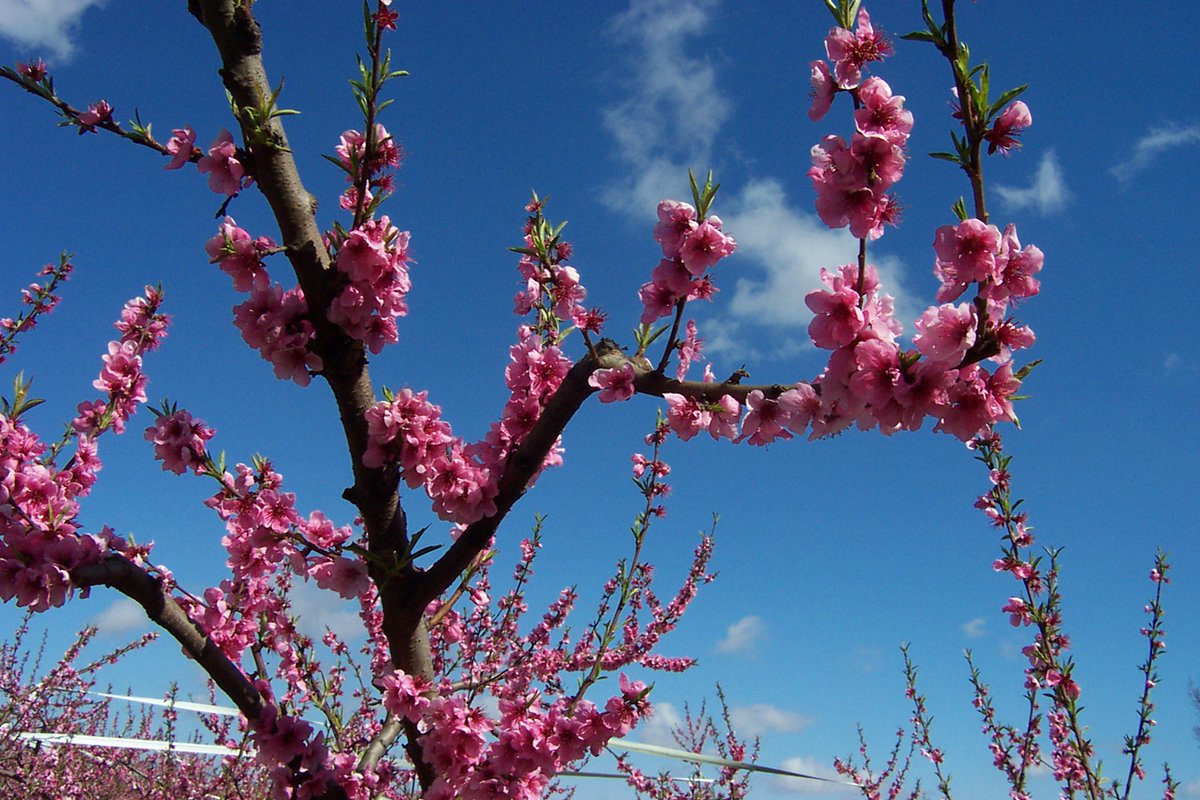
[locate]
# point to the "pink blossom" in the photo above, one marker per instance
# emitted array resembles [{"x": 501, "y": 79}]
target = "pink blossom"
[
  {"x": 675, "y": 221},
  {"x": 690, "y": 349},
  {"x": 275, "y": 323},
  {"x": 966, "y": 253},
  {"x": 240, "y": 257},
  {"x": 882, "y": 113},
  {"x": 851, "y": 51},
  {"x": 766, "y": 422},
  {"x": 179, "y": 442},
  {"x": 405, "y": 694},
  {"x": 704, "y": 246},
  {"x": 374, "y": 258},
  {"x": 97, "y": 113},
  {"x": 946, "y": 333},
  {"x": 823, "y": 90},
  {"x": 179, "y": 147},
  {"x": 837, "y": 317},
  {"x": 346, "y": 576},
  {"x": 879, "y": 379},
  {"x": 615, "y": 384},
  {"x": 1009, "y": 124},
  {"x": 847, "y": 194},
  {"x": 1016, "y": 267},
  {"x": 1019, "y": 612},
  {"x": 33, "y": 70},
  {"x": 685, "y": 415},
  {"x": 226, "y": 175}
]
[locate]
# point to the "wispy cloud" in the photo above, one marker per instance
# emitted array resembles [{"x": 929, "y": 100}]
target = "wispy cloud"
[
  {"x": 760, "y": 718},
  {"x": 1174, "y": 362},
  {"x": 867, "y": 660},
  {"x": 743, "y": 636},
  {"x": 1154, "y": 143},
  {"x": 976, "y": 628},
  {"x": 792, "y": 246},
  {"x": 1191, "y": 789},
  {"x": 48, "y": 25},
  {"x": 672, "y": 110},
  {"x": 123, "y": 616},
  {"x": 670, "y": 118},
  {"x": 660, "y": 728},
  {"x": 1047, "y": 195},
  {"x": 809, "y": 766}
]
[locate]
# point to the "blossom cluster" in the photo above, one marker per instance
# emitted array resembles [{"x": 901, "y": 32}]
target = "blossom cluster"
[
  {"x": 40, "y": 533},
  {"x": 517, "y": 754},
  {"x": 552, "y": 286},
  {"x": 40, "y": 539},
  {"x": 539, "y": 727},
  {"x": 38, "y": 298},
  {"x": 142, "y": 327},
  {"x": 691, "y": 245},
  {"x": 367, "y": 169},
  {"x": 374, "y": 260},
  {"x": 271, "y": 320},
  {"x": 853, "y": 180},
  {"x": 63, "y": 700}
]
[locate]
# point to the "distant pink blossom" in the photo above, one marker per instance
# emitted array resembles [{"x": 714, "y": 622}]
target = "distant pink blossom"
[{"x": 97, "y": 113}]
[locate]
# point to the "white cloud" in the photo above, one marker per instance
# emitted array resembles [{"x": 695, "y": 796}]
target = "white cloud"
[
  {"x": 669, "y": 119},
  {"x": 792, "y": 245},
  {"x": 976, "y": 628},
  {"x": 866, "y": 659},
  {"x": 44, "y": 24},
  {"x": 316, "y": 609},
  {"x": 1191, "y": 789},
  {"x": 760, "y": 718},
  {"x": 809, "y": 766},
  {"x": 672, "y": 109},
  {"x": 660, "y": 728},
  {"x": 743, "y": 636},
  {"x": 123, "y": 616},
  {"x": 1048, "y": 194},
  {"x": 1174, "y": 361},
  {"x": 1155, "y": 142}
]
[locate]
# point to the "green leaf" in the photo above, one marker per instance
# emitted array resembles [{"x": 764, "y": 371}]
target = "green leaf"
[
  {"x": 960, "y": 209},
  {"x": 951, "y": 157},
  {"x": 919, "y": 36},
  {"x": 1028, "y": 368},
  {"x": 1005, "y": 99}
]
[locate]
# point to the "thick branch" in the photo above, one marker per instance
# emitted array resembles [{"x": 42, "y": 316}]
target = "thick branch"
[
  {"x": 344, "y": 364},
  {"x": 239, "y": 41},
  {"x": 147, "y": 591},
  {"x": 528, "y": 458}
]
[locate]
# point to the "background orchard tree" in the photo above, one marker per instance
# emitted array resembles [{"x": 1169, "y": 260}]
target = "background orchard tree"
[{"x": 450, "y": 329}]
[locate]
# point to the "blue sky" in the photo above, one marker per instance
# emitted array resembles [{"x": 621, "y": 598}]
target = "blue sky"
[{"x": 831, "y": 553}]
